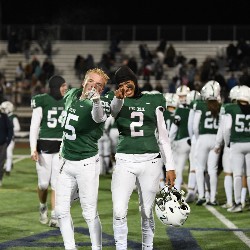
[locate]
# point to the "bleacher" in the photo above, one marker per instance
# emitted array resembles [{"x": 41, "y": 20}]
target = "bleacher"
[{"x": 65, "y": 52}]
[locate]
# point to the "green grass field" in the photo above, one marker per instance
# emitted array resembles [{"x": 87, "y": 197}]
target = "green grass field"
[{"x": 206, "y": 227}]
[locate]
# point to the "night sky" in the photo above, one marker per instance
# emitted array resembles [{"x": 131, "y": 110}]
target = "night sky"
[{"x": 124, "y": 12}]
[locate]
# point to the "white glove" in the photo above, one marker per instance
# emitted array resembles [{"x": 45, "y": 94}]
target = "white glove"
[{"x": 93, "y": 95}]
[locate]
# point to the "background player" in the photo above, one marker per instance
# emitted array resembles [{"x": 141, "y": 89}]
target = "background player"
[
  {"x": 8, "y": 108},
  {"x": 45, "y": 141}
]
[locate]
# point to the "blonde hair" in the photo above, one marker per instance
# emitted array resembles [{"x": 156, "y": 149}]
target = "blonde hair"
[{"x": 98, "y": 71}]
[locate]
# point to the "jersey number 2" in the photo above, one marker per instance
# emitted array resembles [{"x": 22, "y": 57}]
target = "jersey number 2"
[{"x": 133, "y": 125}]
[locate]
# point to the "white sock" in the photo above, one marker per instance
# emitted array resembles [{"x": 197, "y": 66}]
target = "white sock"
[
  {"x": 42, "y": 205},
  {"x": 53, "y": 214},
  {"x": 237, "y": 189},
  {"x": 200, "y": 184},
  {"x": 243, "y": 195},
  {"x": 228, "y": 186},
  {"x": 191, "y": 180}
]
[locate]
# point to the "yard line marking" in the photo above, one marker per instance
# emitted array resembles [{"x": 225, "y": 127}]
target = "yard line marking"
[
  {"x": 20, "y": 158},
  {"x": 229, "y": 224}
]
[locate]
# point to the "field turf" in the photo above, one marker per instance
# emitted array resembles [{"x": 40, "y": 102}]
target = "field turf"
[{"x": 206, "y": 228}]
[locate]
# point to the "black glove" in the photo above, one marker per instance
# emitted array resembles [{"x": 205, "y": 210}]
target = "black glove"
[{"x": 189, "y": 142}]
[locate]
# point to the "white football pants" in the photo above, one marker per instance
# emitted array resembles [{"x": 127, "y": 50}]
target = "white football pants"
[
  {"x": 86, "y": 174},
  {"x": 47, "y": 170},
  {"x": 146, "y": 176}
]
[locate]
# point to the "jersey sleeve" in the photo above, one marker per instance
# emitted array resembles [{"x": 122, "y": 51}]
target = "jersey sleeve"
[
  {"x": 164, "y": 142},
  {"x": 37, "y": 101},
  {"x": 106, "y": 102}
]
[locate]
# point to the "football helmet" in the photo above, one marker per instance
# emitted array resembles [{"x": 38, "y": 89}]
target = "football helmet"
[
  {"x": 234, "y": 93},
  {"x": 170, "y": 207},
  {"x": 193, "y": 95},
  {"x": 153, "y": 92},
  {"x": 243, "y": 93},
  {"x": 172, "y": 100},
  {"x": 182, "y": 92},
  {"x": 211, "y": 91},
  {"x": 7, "y": 107}
]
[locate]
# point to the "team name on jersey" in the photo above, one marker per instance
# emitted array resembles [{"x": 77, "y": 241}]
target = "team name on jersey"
[{"x": 137, "y": 108}]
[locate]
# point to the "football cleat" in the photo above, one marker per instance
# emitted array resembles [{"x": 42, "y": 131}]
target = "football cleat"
[
  {"x": 226, "y": 205},
  {"x": 53, "y": 222},
  {"x": 214, "y": 203},
  {"x": 201, "y": 201},
  {"x": 190, "y": 197},
  {"x": 235, "y": 208}
]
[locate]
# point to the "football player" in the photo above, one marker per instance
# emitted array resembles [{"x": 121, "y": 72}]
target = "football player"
[
  {"x": 6, "y": 135},
  {"x": 205, "y": 126},
  {"x": 179, "y": 136},
  {"x": 139, "y": 156},
  {"x": 237, "y": 137},
  {"x": 45, "y": 140},
  {"x": 8, "y": 108},
  {"x": 172, "y": 103},
  {"x": 83, "y": 122},
  {"x": 193, "y": 97}
]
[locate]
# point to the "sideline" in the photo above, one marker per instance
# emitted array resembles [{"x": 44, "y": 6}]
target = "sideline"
[{"x": 229, "y": 224}]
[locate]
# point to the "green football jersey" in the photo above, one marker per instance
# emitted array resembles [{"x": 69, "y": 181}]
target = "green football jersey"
[
  {"x": 80, "y": 132},
  {"x": 240, "y": 130},
  {"x": 169, "y": 118},
  {"x": 137, "y": 124},
  {"x": 50, "y": 127},
  {"x": 208, "y": 124},
  {"x": 182, "y": 114},
  {"x": 12, "y": 116}
]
